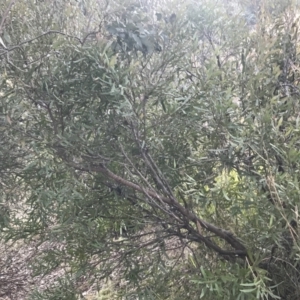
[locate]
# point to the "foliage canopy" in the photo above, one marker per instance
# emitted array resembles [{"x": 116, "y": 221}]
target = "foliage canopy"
[{"x": 153, "y": 144}]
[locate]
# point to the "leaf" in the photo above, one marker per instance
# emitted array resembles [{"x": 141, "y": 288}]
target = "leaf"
[
  {"x": 56, "y": 45},
  {"x": 163, "y": 105},
  {"x": 113, "y": 61},
  {"x": 2, "y": 43},
  {"x": 280, "y": 122},
  {"x": 7, "y": 37},
  {"x": 248, "y": 290}
]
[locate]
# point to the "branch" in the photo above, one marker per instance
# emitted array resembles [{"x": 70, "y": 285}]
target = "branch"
[
  {"x": 46, "y": 33},
  {"x": 240, "y": 249}
]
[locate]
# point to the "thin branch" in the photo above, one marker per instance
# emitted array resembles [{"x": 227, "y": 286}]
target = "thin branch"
[
  {"x": 240, "y": 249},
  {"x": 47, "y": 33}
]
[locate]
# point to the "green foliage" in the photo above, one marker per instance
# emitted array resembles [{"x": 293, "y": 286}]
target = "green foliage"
[{"x": 173, "y": 173}]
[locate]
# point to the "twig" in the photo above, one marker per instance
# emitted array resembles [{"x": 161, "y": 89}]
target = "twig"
[{"x": 46, "y": 33}]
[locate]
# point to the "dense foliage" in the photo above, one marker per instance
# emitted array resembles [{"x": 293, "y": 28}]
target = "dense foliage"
[{"x": 153, "y": 144}]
